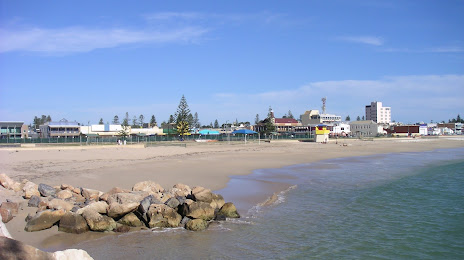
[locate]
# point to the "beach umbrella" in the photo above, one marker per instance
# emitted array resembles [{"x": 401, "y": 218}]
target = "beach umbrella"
[{"x": 244, "y": 131}]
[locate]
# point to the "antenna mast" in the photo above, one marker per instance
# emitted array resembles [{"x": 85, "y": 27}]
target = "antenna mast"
[{"x": 323, "y": 104}]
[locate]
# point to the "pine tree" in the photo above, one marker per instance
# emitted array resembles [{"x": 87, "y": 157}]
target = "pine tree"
[
  {"x": 116, "y": 120},
  {"x": 257, "y": 119},
  {"x": 49, "y": 119},
  {"x": 182, "y": 117},
  {"x": 101, "y": 122},
  {"x": 216, "y": 124},
  {"x": 190, "y": 120},
  {"x": 153, "y": 121},
  {"x": 125, "y": 122},
  {"x": 458, "y": 119},
  {"x": 363, "y": 118},
  {"x": 348, "y": 118},
  {"x": 134, "y": 121},
  {"x": 196, "y": 121},
  {"x": 290, "y": 115},
  {"x": 171, "y": 119},
  {"x": 358, "y": 118},
  {"x": 141, "y": 118}
]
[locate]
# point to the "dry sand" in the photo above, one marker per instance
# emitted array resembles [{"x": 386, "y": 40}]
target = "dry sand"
[{"x": 198, "y": 164}]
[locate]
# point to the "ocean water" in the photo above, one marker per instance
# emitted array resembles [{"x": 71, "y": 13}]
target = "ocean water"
[{"x": 394, "y": 206}]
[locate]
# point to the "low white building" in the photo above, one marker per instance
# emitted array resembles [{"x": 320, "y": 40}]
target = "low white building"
[{"x": 342, "y": 129}]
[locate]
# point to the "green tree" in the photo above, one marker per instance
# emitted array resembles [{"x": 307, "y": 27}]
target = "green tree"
[
  {"x": 141, "y": 119},
  {"x": 153, "y": 121},
  {"x": 290, "y": 115},
  {"x": 101, "y": 122},
  {"x": 171, "y": 119},
  {"x": 348, "y": 118},
  {"x": 358, "y": 118},
  {"x": 190, "y": 120},
  {"x": 125, "y": 122},
  {"x": 458, "y": 119},
  {"x": 124, "y": 132},
  {"x": 196, "y": 121},
  {"x": 49, "y": 119},
  {"x": 363, "y": 118},
  {"x": 216, "y": 124},
  {"x": 134, "y": 121},
  {"x": 257, "y": 119},
  {"x": 182, "y": 117},
  {"x": 116, "y": 120}
]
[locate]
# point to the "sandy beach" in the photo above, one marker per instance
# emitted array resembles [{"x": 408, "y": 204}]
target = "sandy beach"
[{"x": 207, "y": 164}]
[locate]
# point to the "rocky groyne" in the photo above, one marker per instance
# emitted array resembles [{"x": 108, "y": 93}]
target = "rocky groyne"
[{"x": 146, "y": 205}]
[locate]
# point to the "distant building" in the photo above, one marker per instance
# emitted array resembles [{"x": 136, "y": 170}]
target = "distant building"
[
  {"x": 282, "y": 125},
  {"x": 404, "y": 130},
  {"x": 13, "y": 130},
  {"x": 62, "y": 128},
  {"x": 341, "y": 129},
  {"x": 378, "y": 113},
  {"x": 365, "y": 128},
  {"x": 312, "y": 117}
]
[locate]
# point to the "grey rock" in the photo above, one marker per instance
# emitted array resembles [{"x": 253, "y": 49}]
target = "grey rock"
[
  {"x": 46, "y": 190},
  {"x": 172, "y": 202}
]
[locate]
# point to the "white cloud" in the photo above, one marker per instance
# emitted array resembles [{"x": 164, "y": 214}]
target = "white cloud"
[
  {"x": 78, "y": 39},
  {"x": 440, "y": 49},
  {"x": 415, "y": 97},
  {"x": 370, "y": 40}
]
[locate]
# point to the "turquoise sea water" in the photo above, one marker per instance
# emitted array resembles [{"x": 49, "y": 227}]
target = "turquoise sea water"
[{"x": 395, "y": 206}]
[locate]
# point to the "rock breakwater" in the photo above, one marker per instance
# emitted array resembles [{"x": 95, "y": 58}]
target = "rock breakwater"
[{"x": 146, "y": 205}]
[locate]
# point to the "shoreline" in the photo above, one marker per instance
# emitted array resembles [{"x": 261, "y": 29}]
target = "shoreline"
[{"x": 208, "y": 165}]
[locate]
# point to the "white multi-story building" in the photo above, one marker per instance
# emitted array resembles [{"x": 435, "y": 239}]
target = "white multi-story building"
[{"x": 378, "y": 113}]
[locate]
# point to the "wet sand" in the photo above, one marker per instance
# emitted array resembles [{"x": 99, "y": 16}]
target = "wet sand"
[{"x": 198, "y": 164}]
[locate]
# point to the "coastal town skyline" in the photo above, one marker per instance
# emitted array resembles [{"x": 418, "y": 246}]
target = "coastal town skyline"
[{"x": 86, "y": 61}]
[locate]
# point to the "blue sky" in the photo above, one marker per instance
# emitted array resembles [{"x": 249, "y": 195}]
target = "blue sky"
[{"x": 86, "y": 60}]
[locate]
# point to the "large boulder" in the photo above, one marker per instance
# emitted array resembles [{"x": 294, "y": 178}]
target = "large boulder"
[
  {"x": 73, "y": 223},
  {"x": 99, "y": 206},
  {"x": 172, "y": 202},
  {"x": 196, "y": 224},
  {"x": 202, "y": 194},
  {"x": 6, "y": 215},
  {"x": 59, "y": 204},
  {"x": 12, "y": 206},
  {"x": 217, "y": 201},
  {"x": 69, "y": 254},
  {"x": 9, "y": 183},
  {"x": 117, "y": 210},
  {"x": 98, "y": 222},
  {"x": 114, "y": 190},
  {"x": 64, "y": 194},
  {"x": 91, "y": 194},
  {"x": 44, "y": 220},
  {"x": 181, "y": 190},
  {"x": 229, "y": 211},
  {"x": 200, "y": 210},
  {"x": 46, "y": 190},
  {"x": 161, "y": 215},
  {"x": 145, "y": 204},
  {"x": 124, "y": 198},
  {"x": 30, "y": 189},
  {"x": 131, "y": 220},
  {"x": 13, "y": 249},
  {"x": 34, "y": 201},
  {"x": 148, "y": 186}
]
